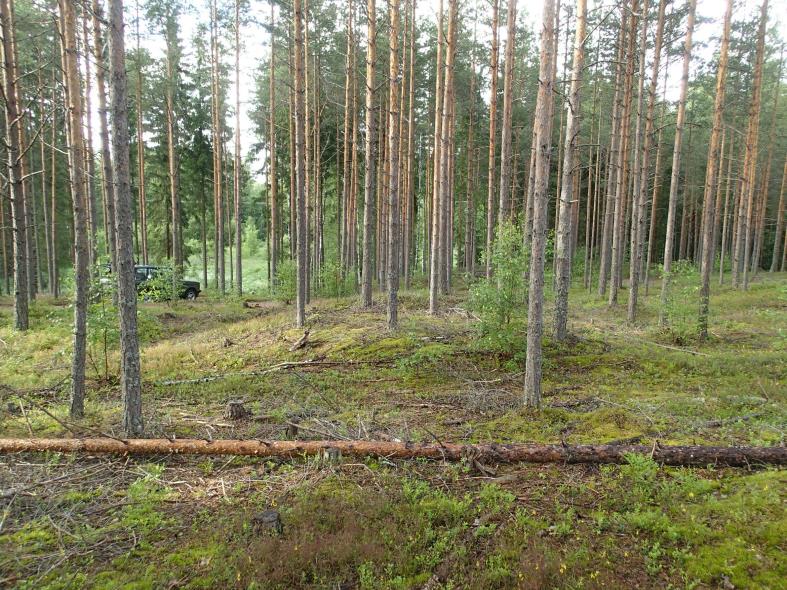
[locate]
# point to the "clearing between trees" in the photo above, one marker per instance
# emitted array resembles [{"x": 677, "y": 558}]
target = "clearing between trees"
[{"x": 98, "y": 521}]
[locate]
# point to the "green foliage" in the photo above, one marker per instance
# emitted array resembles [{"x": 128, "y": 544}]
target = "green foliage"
[
  {"x": 496, "y": 300},
  {"x": 681, "y": 307},
  {"x": 334, "y": 282},
  {"x": 251, "y": 238},
  {"x": 286, "y": 287},
  {"x": 164, "y": 285}
]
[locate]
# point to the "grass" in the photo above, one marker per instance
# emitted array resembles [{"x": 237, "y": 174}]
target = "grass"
[{"x": 188, "y": 522}]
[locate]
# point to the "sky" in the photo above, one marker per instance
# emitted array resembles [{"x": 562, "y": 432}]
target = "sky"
[{"x": 256, "y": 42}]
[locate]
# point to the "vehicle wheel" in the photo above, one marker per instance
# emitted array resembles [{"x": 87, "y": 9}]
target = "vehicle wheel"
[{"x": 191, "y": 294}]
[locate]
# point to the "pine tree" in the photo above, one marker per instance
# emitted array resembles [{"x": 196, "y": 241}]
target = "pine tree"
[
  {"x": 543, "y": 136},
  {"x": 676, "y": 155},
  {"x": 715, "y": 150},
  {"x": 573, "y": 109}
]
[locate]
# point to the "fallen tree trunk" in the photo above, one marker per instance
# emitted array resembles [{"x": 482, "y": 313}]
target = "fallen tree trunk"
[{"x": 502, "y": 453}]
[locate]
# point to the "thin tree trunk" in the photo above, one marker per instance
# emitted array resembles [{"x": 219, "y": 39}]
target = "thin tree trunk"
[
  {"x": 409, "y": 247},
  {"x": 14, "y": 156},
  {"x": 505, "y": 210},
  {"x": 543, "y": 129},
  {"x": 676, "y": 155},
  {"x": 744, "y": 241},
  {"x": 779, "y": 223},
  {"x": 77, "y": 163},
  {"x": 274, "y": 202},
  {"x": 300, "y": 165},
  {"x": 237, "y": 161},
  {"x": 639, "y": 210},
  {"x": 765, "y": 184},
  {"x": 573, "y": 110},
  {"x": 143, "y": 215},
  {"x": 92, "y": 214},
  {"x": 612, "y": 169},
  {"x": 715, "y": 151},
  {"x": 106, "y": 157},
  {"x": 436, "y": 234},
  {"x": 490, "y": 193},
  {"x": 727, "y": 205},
  {"x": 369, "y": 155},
  {"x": 622, "y": 192},
  {"x": 130, "y": 378},
  {"x": 393, "y": 155},
  {"x": 445, "y": 184}
]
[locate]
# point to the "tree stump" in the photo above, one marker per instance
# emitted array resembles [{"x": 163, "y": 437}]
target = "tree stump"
[
  {"x": 268, "y": 521},
  {"x": 235, "y": 410}
]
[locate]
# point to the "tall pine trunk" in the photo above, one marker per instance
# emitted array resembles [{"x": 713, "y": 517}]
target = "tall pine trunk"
[
  {"x": 505, "y": 210},
  {"x": 543, "y": 137},
  {"x": 77, "y": 170},
  {"x": 395, "y": 79},
  {"x": 130, "y": 378},
  {"x": 490, "y": 192},
  {"x": 14, "y": 154},
  {"x": 369, "y": 155},
  {"x": 712, "y": 171},
  {"x": 300, "y": 165},
  {"x": 573, "y": 109},
  {"x": 676, "y": 155}
]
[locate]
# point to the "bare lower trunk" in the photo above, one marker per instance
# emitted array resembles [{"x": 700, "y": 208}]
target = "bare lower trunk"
[
  {"x": 564, "y": 230},
  {"x": 505, "y": 209},
  {"x": 543, "y": 133},
  {"x": 14, "y": 156},
  {"x": 237, "y": 161},
  {"x": 777, "y": 239},
  {"x": 490, "y": 198},
  {"x": 106, "y": 157},
  {"x": 369, "y": 155},
  {"x": 130, "y": 378},
  {"x": 77, "y": 163},
  {"x": 300, "y": 165},
  {"x": 395, "y": 78},
  {"x": 715, "y": 150}
]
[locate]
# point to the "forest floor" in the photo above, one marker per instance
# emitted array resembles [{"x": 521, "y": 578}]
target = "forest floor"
[{"x": 188, "y": 522}]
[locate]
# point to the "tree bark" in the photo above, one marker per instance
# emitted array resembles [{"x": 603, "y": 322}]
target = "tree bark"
[
  {"x": 777, "y": 238},
  {"x": 699, "y": 456},
  {"x": 393, "y": 157},
  {"x": 490, "y": 194},
  {"x": 436, "y": 233},
  {"x": 543, "y": 133},
  {"x": 573, "y": 110},
  {"x": 744, "y": 239},
  {"x": 14, "y": 155},
  {"x": 505, "y": 209},
  {"x": 369, "y": 155},
  {"x": 236, "y": 178},
  {"x": 77, "y": 163},
  {"x": 622, "y": 188},
  {"x": 712, "y": 171},
  {"x": 300, "y": 166},
  {"x": 130, "y": 378},
  {"x": 274, "y": 230},
  {"x": 106, "y": 157},
  {"x": 143, "y": 215},
  {"x": 676, "y": 155}
]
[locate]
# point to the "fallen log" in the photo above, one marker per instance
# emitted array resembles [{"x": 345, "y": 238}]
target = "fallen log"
[{"x": 494, "y": 452}]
